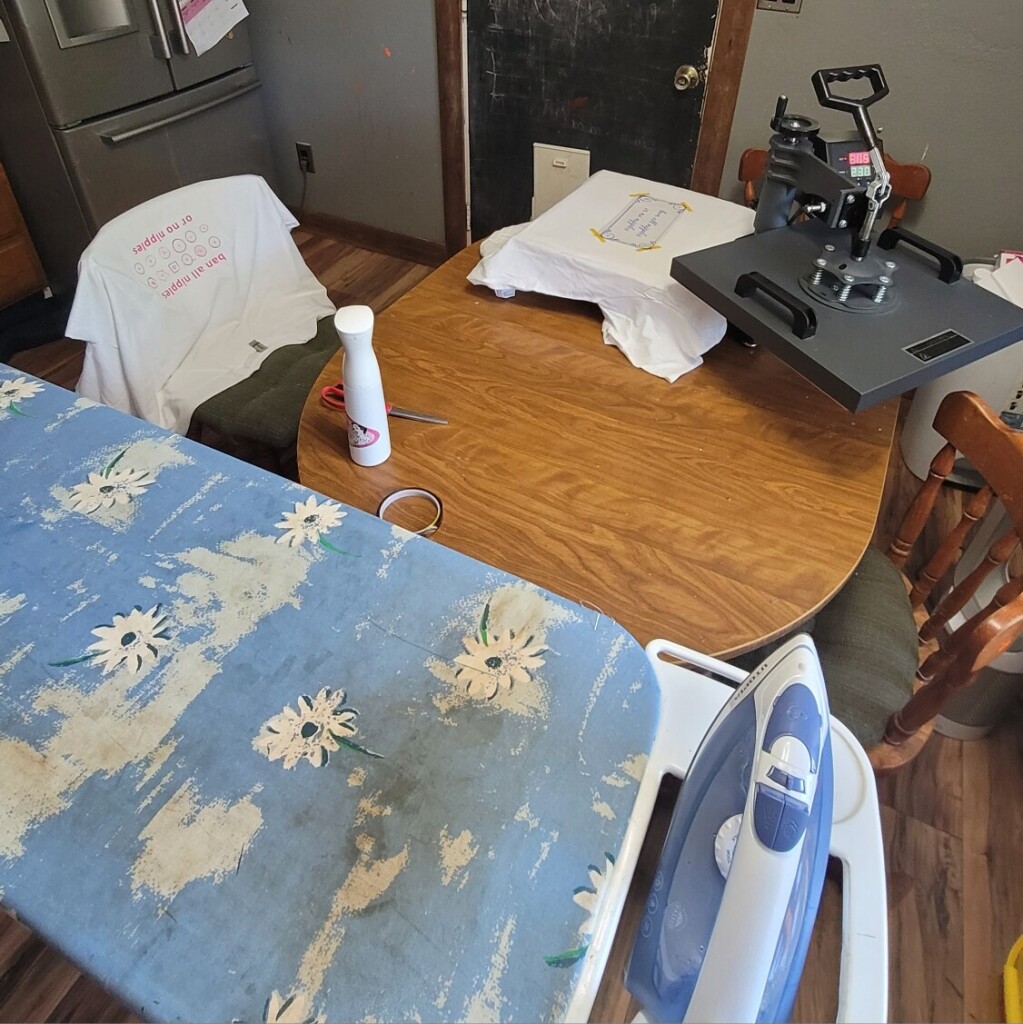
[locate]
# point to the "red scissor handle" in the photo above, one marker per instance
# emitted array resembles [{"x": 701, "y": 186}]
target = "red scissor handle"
[{"x": 334, "y": 396}]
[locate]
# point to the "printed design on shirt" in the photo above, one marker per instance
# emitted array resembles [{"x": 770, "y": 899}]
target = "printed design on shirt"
[
  {"x": 179, "y": 253},
  {"x": 643, "y": 222}
]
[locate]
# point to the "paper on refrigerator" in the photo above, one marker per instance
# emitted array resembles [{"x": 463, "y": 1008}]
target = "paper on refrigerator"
[{"x": 208, "y": 21}]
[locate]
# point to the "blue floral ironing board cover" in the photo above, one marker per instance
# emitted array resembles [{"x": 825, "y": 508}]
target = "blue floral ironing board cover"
[{"x": 266, "y": 757}]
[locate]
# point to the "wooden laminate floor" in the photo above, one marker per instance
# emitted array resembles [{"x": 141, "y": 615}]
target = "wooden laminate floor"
[{"x": 953, "y": 820}]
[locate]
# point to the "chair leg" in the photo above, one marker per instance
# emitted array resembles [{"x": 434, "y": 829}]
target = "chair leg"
[
  {"x": 902, "y": 741},
  {"x": 920, "y": 709},
  {"x": 886, "y": 758},
  {"x": 910, "y": 728}
]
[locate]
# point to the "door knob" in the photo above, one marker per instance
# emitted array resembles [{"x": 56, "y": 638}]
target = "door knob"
[{"x": 687, "y": 77}]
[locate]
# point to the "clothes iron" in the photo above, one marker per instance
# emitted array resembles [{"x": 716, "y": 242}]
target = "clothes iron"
[
  {"x": 731, "y": 908},
  {"x": 742, "y": 868}
]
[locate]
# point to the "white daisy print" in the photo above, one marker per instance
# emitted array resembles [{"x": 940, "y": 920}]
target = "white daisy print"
[
  {"x": 588, "y": 897},
  {"x": 322, "y": 725},
  {"x": 18, "y": 390},
  {"x": 309, "y": 522},
  {"x": 133, "y": 640},
  {"x": 296, "y": 1009},
  {"x": 104, "y": 491},
  {"x": 493, "y": 662}
]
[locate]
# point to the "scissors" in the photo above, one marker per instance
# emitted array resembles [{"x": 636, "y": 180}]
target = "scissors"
[{"x": 334, "y": 396}]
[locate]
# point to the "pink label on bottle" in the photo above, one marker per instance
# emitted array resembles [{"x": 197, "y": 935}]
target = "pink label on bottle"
[{"x": 360, "y": 436}]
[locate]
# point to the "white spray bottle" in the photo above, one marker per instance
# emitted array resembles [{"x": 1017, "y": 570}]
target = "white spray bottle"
[{"x": 368, "y": 436}]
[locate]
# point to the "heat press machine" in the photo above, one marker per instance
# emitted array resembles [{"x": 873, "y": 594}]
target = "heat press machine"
[
  {"x": 772, "y": 786},
  {"x": 862, "y": 318}
]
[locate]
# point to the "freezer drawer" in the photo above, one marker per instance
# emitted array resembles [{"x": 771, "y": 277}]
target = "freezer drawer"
[{"x": 211, "y": 131}]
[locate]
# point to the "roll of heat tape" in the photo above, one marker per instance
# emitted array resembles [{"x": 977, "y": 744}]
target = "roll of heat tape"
[{"x": 415, "y": 492}]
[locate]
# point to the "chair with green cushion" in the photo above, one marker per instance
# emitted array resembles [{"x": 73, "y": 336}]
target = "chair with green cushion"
[
  {"x": 265, "y": 408},
  {"x": 198, "y": 309},
  {"x": 867, "y": 642},
  {"x": 889, "y": 660}
]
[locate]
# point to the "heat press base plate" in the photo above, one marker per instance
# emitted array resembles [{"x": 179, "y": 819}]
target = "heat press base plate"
[{"x": 859, "y": 361}]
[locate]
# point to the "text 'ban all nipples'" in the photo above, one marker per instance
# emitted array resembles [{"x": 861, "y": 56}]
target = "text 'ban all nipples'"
[{"x": 174, "y": 256}]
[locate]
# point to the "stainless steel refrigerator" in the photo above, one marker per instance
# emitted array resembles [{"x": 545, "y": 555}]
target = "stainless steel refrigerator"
[{"x": 104, "y": 104}]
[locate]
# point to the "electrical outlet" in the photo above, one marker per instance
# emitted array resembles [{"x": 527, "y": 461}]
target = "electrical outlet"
[
  {"x": 790, "y": 6},
  {"x": 305, "y": 157}
]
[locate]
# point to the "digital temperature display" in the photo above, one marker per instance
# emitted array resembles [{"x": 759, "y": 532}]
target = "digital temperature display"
[
  {"x": 859, "y": 165},
  {"x": 848, "y": 157}
]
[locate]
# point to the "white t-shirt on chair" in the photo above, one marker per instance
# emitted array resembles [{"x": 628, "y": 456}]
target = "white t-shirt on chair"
[{"x": 185, "y": 295}]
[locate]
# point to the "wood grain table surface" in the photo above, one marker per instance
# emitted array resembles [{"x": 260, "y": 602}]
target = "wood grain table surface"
[{"x": 719, "y": 511}]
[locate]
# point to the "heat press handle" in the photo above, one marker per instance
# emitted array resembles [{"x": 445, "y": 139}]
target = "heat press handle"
[
  {"x": 950, "y": 266},
  {"x": 804, "y": 319},
  {"x": 823, "y": 79}
]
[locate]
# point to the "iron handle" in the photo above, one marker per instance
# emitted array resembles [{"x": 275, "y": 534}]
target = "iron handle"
[
  {"x": 686, "y": 77},
  {"x": 161, "y": 31},
  {"x": 179, "y": 25},
  {"x": 144, "y": 129}
]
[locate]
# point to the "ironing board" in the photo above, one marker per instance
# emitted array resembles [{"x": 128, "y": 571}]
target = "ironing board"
[{"x": 265, "y": 757}]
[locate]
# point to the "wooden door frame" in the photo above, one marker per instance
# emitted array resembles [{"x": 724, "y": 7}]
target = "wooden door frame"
[
  {"x": 452, "y": 122},
  {"x": 731, "y": 37}
]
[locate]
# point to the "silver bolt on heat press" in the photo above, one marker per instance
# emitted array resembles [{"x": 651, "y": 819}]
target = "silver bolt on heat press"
[{"x": 832, "y": 303}]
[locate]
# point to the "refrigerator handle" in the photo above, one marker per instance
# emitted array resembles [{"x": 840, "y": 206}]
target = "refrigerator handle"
[
  {"x": 161, "y": 31},
  {"x": 179, "y": 25},
  {"x": 143, "y": 129}
]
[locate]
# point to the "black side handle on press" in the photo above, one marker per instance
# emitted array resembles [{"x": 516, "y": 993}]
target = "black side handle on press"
[
  {"x": 950, "y": 266},
  {"x": 823, "y": 80},
  {"x": 804, "y": 319}
]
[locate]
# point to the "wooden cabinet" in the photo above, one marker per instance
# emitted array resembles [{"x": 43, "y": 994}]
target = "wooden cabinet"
[{"x": 21, "y": 274}]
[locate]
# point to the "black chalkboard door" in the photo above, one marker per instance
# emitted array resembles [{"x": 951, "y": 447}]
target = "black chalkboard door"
[{"x": 590, "y": 74}]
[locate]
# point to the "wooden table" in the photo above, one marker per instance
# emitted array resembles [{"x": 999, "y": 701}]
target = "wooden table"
[{"x": 719, "y": 511}]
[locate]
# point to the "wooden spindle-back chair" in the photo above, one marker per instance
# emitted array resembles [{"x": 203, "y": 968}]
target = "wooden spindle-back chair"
[{"x": 946, "y": 661}]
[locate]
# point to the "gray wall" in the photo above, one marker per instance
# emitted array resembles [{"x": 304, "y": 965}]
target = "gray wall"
[
  {"x": 373, "y": 120},
  {"x": 954, "y": 103}
]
